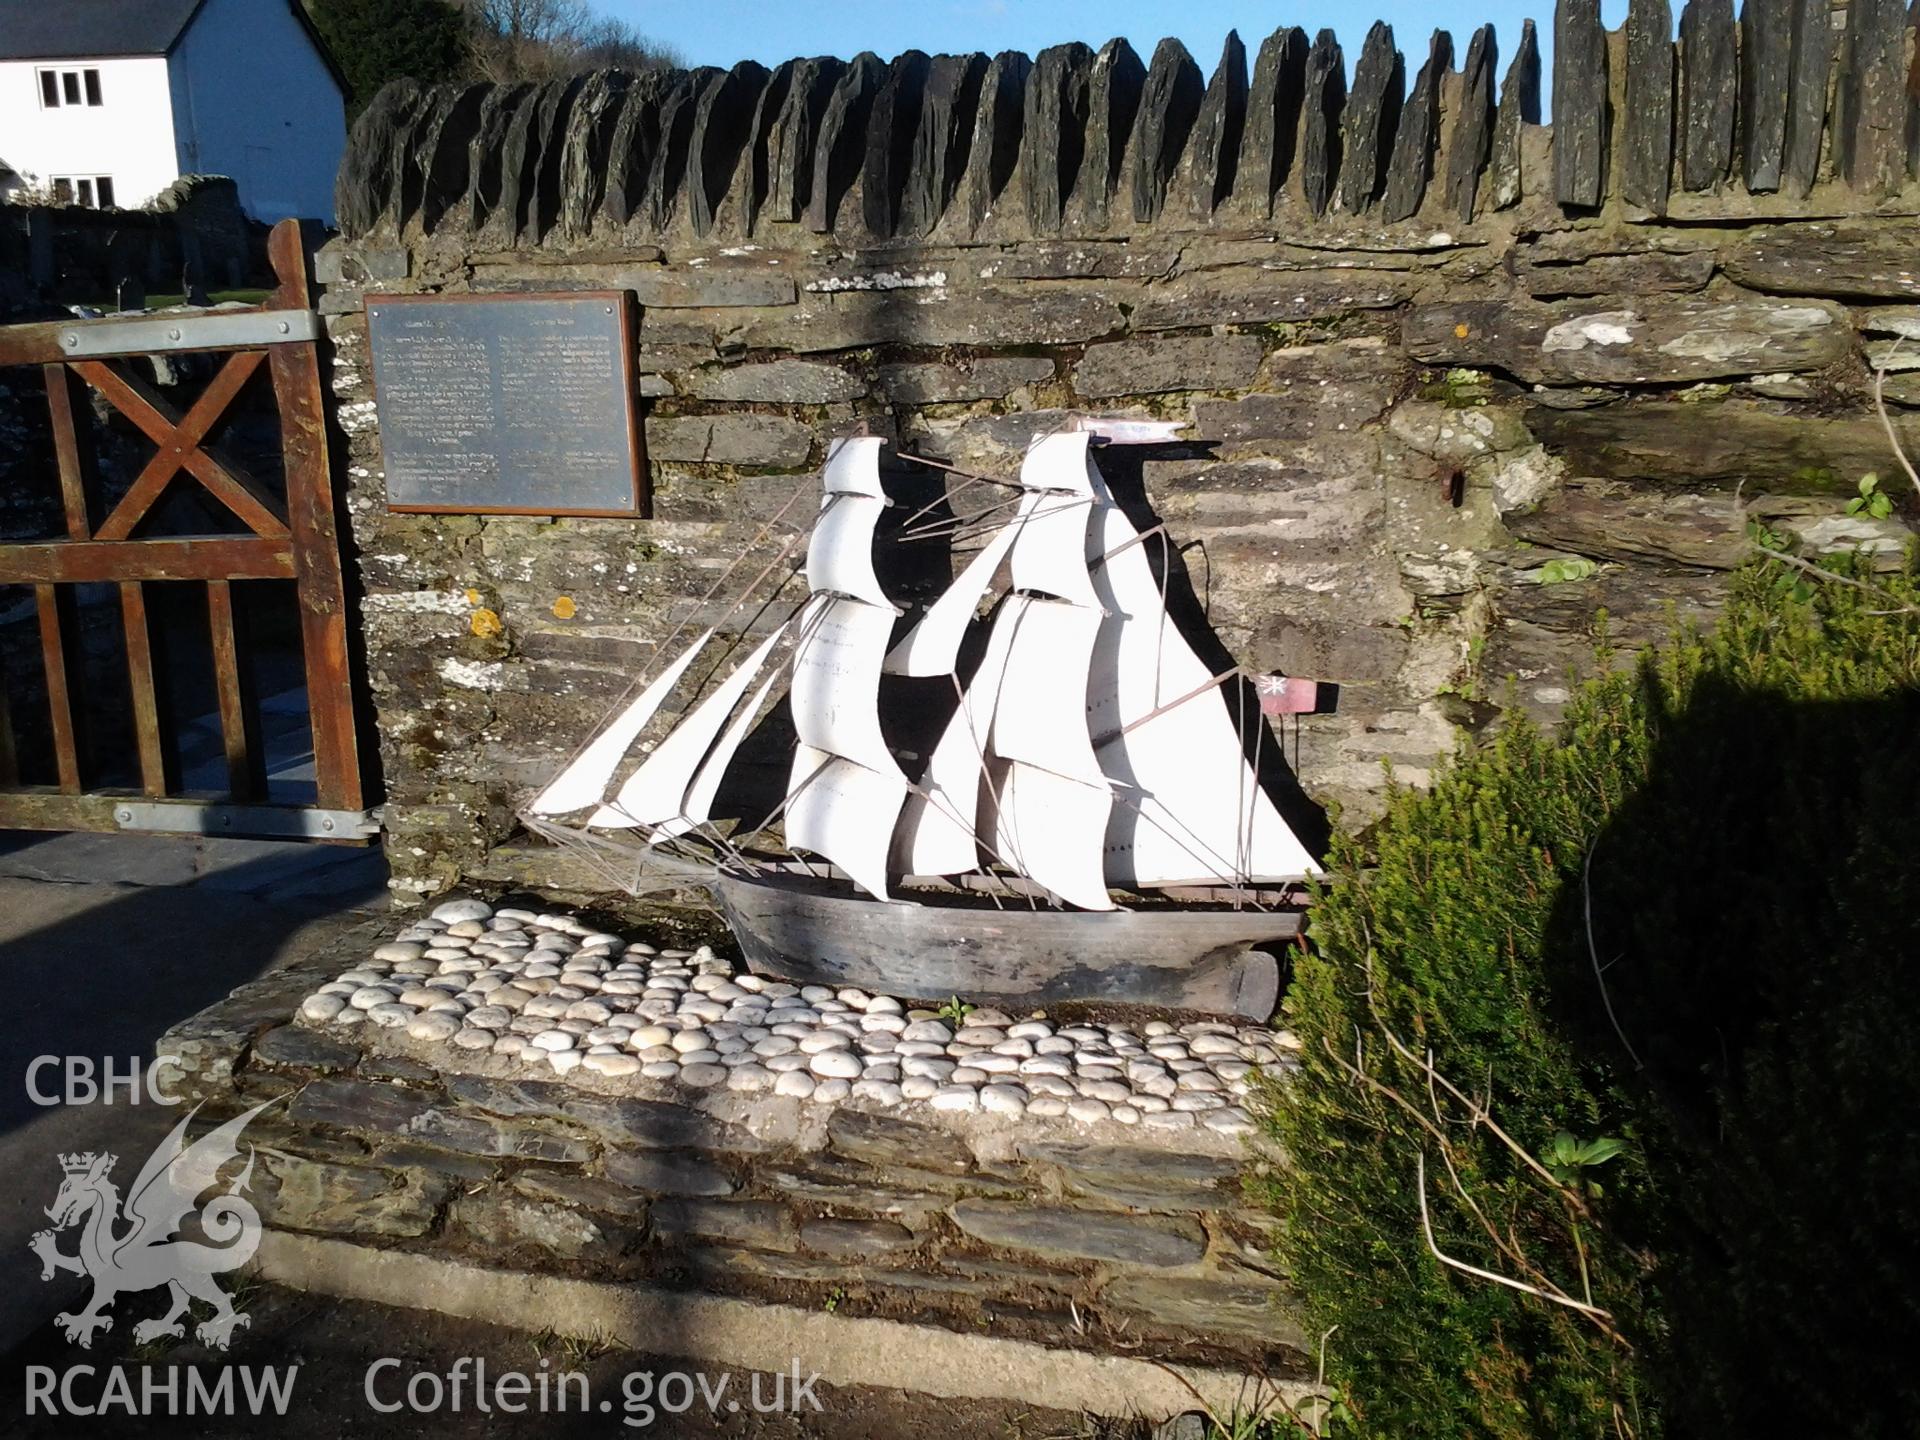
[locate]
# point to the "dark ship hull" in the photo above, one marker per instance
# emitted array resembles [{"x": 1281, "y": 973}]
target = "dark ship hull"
[{"x": 1013, "y": 955}]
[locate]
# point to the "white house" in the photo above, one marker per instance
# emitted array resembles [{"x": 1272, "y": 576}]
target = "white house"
[{"x": 110, "y": 101}]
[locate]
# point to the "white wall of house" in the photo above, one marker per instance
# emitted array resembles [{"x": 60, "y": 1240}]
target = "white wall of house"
[
  {"x": 254, "y": 100},
  {"x": 128, "y": 136}
]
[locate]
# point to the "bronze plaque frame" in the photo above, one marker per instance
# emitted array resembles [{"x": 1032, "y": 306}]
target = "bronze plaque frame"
[{"x": 604, "y": 472}]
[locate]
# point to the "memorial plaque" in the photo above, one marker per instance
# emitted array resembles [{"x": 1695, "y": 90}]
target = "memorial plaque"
[{"x": 518, "y": 404}]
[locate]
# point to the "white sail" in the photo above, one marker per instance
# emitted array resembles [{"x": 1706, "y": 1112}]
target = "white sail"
[
  {"x": 853, "y": 467},
  {"x": 1039, "y": 711},
  {"x": 584, "y": 781},
  {"x": 845, "y": 812},
  {"x": 1189, "y": 808},
  {"x": 1050, "y": 527},
  {"x": 836, "y": 679},
  {"x": 937, "y": 834},
  {"x": 1050, "y": 546},
  {"x": 655, "y": 794},
  {"x": 706, "y": 781},
  {"x": 1058, "y": 462},
  {"x": 933, "y": 645},
  {"x": 840, "y": 549},
  {"x": 1052, "y": 829}
]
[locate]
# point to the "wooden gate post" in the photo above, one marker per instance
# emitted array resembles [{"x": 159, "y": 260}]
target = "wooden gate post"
[{"x": 319, "y": 581}]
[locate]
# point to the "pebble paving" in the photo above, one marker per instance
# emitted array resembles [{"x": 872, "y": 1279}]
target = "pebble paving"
[{"x": 554, "y": 994}]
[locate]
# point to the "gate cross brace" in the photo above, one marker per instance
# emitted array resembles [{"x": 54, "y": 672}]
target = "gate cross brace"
[{"x": 179, "y": 441}]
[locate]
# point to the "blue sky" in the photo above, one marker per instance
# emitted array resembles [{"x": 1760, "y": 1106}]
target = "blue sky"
[{"x": 719, "y": 32}]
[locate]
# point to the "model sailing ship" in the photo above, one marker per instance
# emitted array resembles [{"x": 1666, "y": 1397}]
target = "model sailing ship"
[{"x": 1090, "y": 751}]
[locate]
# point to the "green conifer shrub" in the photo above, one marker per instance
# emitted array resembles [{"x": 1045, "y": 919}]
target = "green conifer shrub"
[{"x": 1685, "y": 924}]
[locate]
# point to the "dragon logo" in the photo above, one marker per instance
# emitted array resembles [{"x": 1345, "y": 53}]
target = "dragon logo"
[{"x": 145, "y": 1254}]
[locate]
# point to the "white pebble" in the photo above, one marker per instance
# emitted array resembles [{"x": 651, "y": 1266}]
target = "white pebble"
[
  {"x": 703, "y": 1076},
  {"x": 321, "y": 1007},
  {"x": 553, "y": 1040},
  {"x": 1087, "y": 1111},
  {"x": 433, "y": 1027},
  {"x": 955, "y": 1097},
  {"x": 451, "y": 912},
  {"x": 1046, "y": 1107},
  {"x": 564, "y": 1061},
  {"x": 794, "y": 1082},
  {"x": 880, "y": 1092},
  {"x": 1003, "y": 1099},
  {"x": 836, "y": 1064},
  {"x": 612, "y": 1063},
  {"x": 832, "y": 1090}
]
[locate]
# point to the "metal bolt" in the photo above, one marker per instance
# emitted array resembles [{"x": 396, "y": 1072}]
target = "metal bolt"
[
  {"x": 326, "y": 822},
  {"x": 70, "y": 340},
  {"x": 284, "y": 327},
  {"x": 125, "y": 817},
  {"x": 173, "y": 334}
]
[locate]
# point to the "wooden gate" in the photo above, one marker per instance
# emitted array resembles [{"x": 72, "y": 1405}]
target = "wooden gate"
[{"x": 291, "y": 538}]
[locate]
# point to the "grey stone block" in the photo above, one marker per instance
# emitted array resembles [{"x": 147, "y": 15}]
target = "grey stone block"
[
  {"x": 880, "y": 1140},
  {"x": 667, "y": 1174},
  {"x": 303, "y": 1049},
  {"x": 987, "y": 378},
  {"x": 759, "y": 1223},
  {"x": 302, "y": 1194},
  {"x": 786, "y": 382},
  {"x": 1061, "y": 1233},
  {"x": 730, "y": 440},
  {"x": 679, "y": 288},
  {"x": 1149, "y": 366}
]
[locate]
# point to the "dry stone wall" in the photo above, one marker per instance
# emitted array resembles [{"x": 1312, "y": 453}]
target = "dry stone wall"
[{"x": 1456, "y": 382}]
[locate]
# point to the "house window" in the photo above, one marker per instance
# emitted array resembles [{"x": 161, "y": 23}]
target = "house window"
[
  {"x": 93, "y": 191},
  {"x": 69, "y": 87}
]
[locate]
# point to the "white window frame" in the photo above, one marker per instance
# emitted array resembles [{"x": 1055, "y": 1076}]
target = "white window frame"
[
  {"x": 73, "y": 184},
  {"x": 86, "y": 85}
]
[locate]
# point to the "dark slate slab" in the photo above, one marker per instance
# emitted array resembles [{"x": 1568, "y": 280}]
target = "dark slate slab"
[
  {"x": 947, "y": 107},
  {"x": 1213, "y": 156},
  {"x": 1766, "y": 60},
  {"x": 840, "y": 145},
  {"x": 1519, "y": 106},
  {"x": 1411, "y": 165},
  {"x": 790, "y": 143},
  {"x": 1054, "y": 131},
  {"x": 486, "y": 156},
  {"x": 1372, "y": 117},
  {"x": 1322, "y": 107},
  {"x": 364, "y": 186},
  {"x": 519, "y": 153},
  {"x": 1273, "y": 119},
  {"x": 1114, "y": 87},
  {"x": 888, "y": 152},
  {"x": 997, "y": 127},
  {"x": 883, "y": 1141},
  {"x": 448, "y": 153},
  {"x": 1060, "y": 1233},
  {"x": 548, "y": 154},
  {"x": 588, "y": 143},
  {"x": 1580, "y": 104},
  {"x": 1647, "y": 127},
  {"x": 668, "y": 174},
  {"x": 1168, "y": 107},
  {"x": 722, "y": 125},
  {"x": 1870, "y": 99},
  {"x": 412, "y": 146},
  {"x": 1472, "y": 139},
  {"x": 752, "y": 171},
  {"x": 1708, "y": 86},
  {"x": 636, "y": 135},
  {"x": 1810, "y": 63}
]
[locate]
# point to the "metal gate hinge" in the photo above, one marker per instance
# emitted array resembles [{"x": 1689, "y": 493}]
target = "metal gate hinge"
[{"x": 270, "y": 822}]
